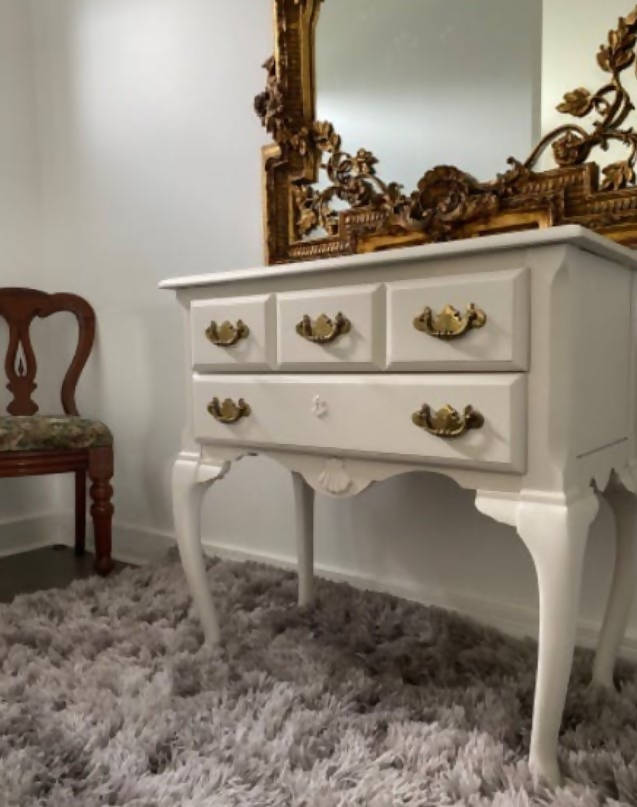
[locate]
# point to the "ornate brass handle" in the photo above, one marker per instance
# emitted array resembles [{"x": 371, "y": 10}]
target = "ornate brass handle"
[
  {"x": 323, "y": 329},
  {"x": 450, "y": 323},
  {"x": 448, "y": 422},
  {"x": 227, "y": 334},
  {"x": 228, "y": 411}
]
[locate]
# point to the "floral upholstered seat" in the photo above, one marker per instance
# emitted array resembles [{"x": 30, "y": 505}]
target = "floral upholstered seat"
[{"x": 49, "y": 433}]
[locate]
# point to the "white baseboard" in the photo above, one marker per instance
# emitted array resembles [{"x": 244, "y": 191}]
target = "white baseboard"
[
  {"x": 130, "y": 544},
  {"x": 514, "y": 620},
  {"x": 139, "y": 546},
  {"x": 22, "y": 534},
  {"x": 134, "y": 545}
]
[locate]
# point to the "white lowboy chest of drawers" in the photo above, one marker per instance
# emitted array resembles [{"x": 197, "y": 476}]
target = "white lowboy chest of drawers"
[{"x": 506, "y": 363}]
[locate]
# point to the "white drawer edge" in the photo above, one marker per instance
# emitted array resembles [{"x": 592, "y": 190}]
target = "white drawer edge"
[
  {"x": 400, "y": 459},
  {"x": 455, "y": 355},
  {"x": 364, "y": 304},
  {"x": 213, "y": 359},
  {"x": 340, "y": 434}
]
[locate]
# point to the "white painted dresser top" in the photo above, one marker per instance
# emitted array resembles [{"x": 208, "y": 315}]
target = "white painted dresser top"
[{"x": 568, "y": 234}]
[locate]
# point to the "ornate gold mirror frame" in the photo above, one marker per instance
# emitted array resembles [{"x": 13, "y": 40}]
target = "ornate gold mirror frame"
[{"x": 448, "y": 203}]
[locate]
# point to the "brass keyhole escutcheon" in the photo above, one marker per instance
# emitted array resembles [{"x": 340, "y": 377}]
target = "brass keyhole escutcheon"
[
  {"x": 228, "y": 411},
  {"x": 227, "y": 334},
  {"x": 450, "y": 323},
  {"x": 447, "y": 422},
  {"x": 323, "y": 329}
]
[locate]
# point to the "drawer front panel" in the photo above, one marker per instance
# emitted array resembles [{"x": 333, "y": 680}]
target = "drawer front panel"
[
  {"x": 368, "y": 414},
  {"x": 358, "y": 346},
  {"x": 236, "y": 349},
  {"x": 500, "y": 342}
]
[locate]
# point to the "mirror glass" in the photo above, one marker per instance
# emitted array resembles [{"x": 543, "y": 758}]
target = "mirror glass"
[{"x": 422, "y": 83}]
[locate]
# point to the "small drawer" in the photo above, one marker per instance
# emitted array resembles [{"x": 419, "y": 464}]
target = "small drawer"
[
  {"x": 342, "y": 329},
  {"x": 371, "y": 415},
  {"x": 469, "y": 322},
  {"x": 237, "y": 333}
]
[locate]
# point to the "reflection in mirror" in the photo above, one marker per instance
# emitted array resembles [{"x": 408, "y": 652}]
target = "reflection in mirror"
[
  {"x": 430, "y": 82},
  {"x": 429, "y": 99}
]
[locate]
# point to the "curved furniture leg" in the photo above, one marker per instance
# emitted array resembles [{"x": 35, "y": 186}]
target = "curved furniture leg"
[
  {"x": 555, "y": 532},
  {"x": 304, "y": 525},
  {"x": 190, "y": 480},
  {"x": 624, "y": 505}
]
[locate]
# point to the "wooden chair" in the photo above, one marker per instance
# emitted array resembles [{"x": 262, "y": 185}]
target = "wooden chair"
[{"x": 33, "y": 444}]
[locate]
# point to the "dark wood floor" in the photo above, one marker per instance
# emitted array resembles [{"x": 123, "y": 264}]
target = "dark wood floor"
[{"x": 51, "y": 567}]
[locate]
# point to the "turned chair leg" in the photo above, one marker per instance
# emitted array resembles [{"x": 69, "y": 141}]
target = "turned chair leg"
[
  {"x": 100, "y": 471},
  {"x": 80, "y": 512}
]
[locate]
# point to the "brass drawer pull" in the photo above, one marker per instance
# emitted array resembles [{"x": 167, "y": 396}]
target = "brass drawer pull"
[
  {"x": 228, "y": 411},
  {"x": 448, "y": 422},
  {"x": 227, "y": 334},
  {"x": 323, "y": 330},
  {"x": 450, "y": 323}
]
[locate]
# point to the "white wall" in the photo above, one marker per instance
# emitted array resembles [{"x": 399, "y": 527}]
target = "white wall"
[
  {"x": 18, "y": 144},
  {"x": 151, "y": 168},
  {"x": 19, "y": 212}
]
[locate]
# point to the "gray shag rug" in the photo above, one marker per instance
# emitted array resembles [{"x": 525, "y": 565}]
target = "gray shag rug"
[{"x": 107, "y": 697}]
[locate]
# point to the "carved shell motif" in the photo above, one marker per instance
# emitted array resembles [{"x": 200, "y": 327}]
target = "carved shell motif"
[{"x": 334, "y": 478}]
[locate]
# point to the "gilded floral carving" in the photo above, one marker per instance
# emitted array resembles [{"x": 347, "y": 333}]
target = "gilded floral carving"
[
  {"x": 307, "y": 219},
  {"x": 612, "y": 104}
]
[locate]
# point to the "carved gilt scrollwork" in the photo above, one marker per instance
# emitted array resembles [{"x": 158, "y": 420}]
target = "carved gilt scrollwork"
[
  {"x": 303, "y": 220},
  {"x": 572, "y": 144}
]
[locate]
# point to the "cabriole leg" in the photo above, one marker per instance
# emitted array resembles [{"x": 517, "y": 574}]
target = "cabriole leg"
[
  {"x": 304, "y": 524},
  {"x": 190, "y": 481},
  {"x": 555, "y": 534},
  {"x": 556, "y": 537},
  {"x": 624, "y": 505}
]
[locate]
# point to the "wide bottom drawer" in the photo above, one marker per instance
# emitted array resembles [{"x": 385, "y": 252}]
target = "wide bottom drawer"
[{"x": 476, "y": 420}]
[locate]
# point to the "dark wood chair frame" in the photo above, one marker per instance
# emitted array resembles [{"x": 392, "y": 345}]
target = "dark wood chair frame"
[{"x": 19, "y": 307}]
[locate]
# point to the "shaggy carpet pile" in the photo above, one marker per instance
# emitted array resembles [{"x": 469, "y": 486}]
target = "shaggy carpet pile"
[{"x": 107, "y": 697}]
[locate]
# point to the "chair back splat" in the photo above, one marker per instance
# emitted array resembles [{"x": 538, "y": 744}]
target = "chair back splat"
[{"x": 19, "y": 307}]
